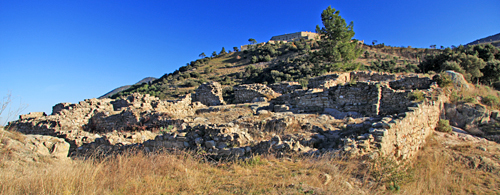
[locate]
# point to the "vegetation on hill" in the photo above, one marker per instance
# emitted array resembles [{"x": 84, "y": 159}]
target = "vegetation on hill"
[{"x": 478, "y": 63}]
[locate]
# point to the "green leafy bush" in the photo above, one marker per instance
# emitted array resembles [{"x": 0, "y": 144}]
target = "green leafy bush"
[
  {"x": 416, "y": 96},
  {"x": 443, "y": 80},
  {"x": 444, "y": 126},
  {"x": 490, "y": 100}
]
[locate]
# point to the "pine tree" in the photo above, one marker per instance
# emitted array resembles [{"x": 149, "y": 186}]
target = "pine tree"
[{"x": 337, "y": 44}]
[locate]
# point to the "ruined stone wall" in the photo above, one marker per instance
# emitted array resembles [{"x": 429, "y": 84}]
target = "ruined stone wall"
[
  {"x": 393, "y": 101},
  {"x": 209, "y": 94},
  {"x": 372, "y": 76},
  {"x": 365, "y": 98},
  {"x": 253, "y": 92},
  {"x": 411, "y": 82},
  {"x": 107, "y": 114},
  {"x": 327, "y": 81},
  {"x": 398, "y": 137},
  {"x": 285, "y": 87},
  {"x": 361, "y": 97}
]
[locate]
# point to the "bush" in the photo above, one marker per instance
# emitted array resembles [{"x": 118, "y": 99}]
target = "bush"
[
  {"x": 416, "y": 96},
  {"x": 443, "y": 80},
  {"x": 490, "y": 100},
  {"x": 444, "y": 126}
]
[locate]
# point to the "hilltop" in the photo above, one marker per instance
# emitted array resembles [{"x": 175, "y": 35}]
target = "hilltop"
[
  {"x": 493, "y": 39},
  {"x": 125, "y": 87}
]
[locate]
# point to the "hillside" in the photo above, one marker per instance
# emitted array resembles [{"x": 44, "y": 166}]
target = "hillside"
[
  {"x": 122, "y": 88},
  {"x": 493, "y": 39},
  {"x": 271, "y": 63}
]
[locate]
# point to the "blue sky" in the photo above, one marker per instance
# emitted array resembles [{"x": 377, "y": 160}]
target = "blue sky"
[{"x": 67, "y": 51}]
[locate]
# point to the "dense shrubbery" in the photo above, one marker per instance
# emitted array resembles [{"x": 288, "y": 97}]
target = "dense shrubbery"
[{"x": 478, "y": 63}]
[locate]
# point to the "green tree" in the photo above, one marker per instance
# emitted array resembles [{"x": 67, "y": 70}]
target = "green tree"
[
  {"x": 223, "y": 51},
  {"x": 252, "y": 41},
  {"x": 214, "y": 54},
  {"x": 336, "y": 43},
  {"x": 202, "y": 55},
  {"x": 236, "y": 49}
]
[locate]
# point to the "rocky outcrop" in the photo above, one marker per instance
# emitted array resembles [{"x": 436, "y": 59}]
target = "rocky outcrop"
[
  {"x": 32, "y": 148},
  {"x": 253, "y": 93},
  {"x": 209, "y": 94},
  {"x": 466, "y": 115},
  {"x": 457, "y": 79}
]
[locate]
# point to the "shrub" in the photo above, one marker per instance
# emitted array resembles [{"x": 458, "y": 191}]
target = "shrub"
[
  {"x": 490, "y": 100},
  {"x": 416, "y": 96},
  {"x": 444, "y": 126},
  {"x": 443, "y": 80}
]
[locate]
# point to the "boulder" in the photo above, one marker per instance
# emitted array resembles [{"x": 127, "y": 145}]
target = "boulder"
[
  {"x": 466, "y": 115},
  {"x": 457, "y": 79}
]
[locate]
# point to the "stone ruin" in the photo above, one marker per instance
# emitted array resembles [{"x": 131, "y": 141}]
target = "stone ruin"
[
  {"x": 357, "y": 114},
  {"x": 209, "y": 94},
  {"x": 253, "y": 93}
]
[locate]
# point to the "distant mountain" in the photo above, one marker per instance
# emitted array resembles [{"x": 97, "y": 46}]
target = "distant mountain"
[
  {"x": 122, "y": 88},
  {"x": 493, "y": 39}
]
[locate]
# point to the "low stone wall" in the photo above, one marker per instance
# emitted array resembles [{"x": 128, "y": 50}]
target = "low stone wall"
[
  {"x": 327, "y": 81},
  {"x": 253, "y": 92},
  {"x": 411, "y": 82},
  {"x": 366, "y": 98},
  {"x": 285, "y": 87},
  {"x": 398, "y": 137},
  {"x": 393, "y": 101},
  {"x": 360, "y": 97},
  {"x": 209, "y": 94},
  {"x": 105, "y": 114},
  {"x": 372, "y": 76}
]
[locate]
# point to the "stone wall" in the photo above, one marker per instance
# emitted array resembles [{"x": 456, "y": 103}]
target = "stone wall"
[
  {"x": 411, "y": 82},
  {"x": 107, "y": 114},
  {"x": 285, "y": 87},
  {"x": 209, "y": 94},
  {"x": 361, "y": 97},
  {"x": 253, "y": 93},
  {"x": 365, "y": 98},
  {"x": 297, "y": 35},
  {"x": 327, "y": 81},
  {"x": 399, "y": 137},
  {"x": 372, "y": 76}
]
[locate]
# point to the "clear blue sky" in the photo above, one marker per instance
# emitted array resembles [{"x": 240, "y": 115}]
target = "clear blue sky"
[{"x": 67, "y": 51}]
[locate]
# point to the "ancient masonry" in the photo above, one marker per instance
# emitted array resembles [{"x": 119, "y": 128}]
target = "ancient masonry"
[
  {"x": 379, "y": 119},
  {"x": 298, "y": 35},
  {"x": 209, "y": 94}
]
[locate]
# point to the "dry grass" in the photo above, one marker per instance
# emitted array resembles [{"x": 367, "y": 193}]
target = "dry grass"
[
  {"x": 475, "y": 94},
  {"x": 440, "y": 172},
  {"x": 434, "y": 171}
]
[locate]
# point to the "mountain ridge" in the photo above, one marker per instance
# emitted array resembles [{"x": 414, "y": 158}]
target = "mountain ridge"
[{"x": 125, "y": 87}]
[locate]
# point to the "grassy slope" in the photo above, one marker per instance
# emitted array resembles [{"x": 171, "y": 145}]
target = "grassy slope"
[{"x": 441, "y": 168}]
